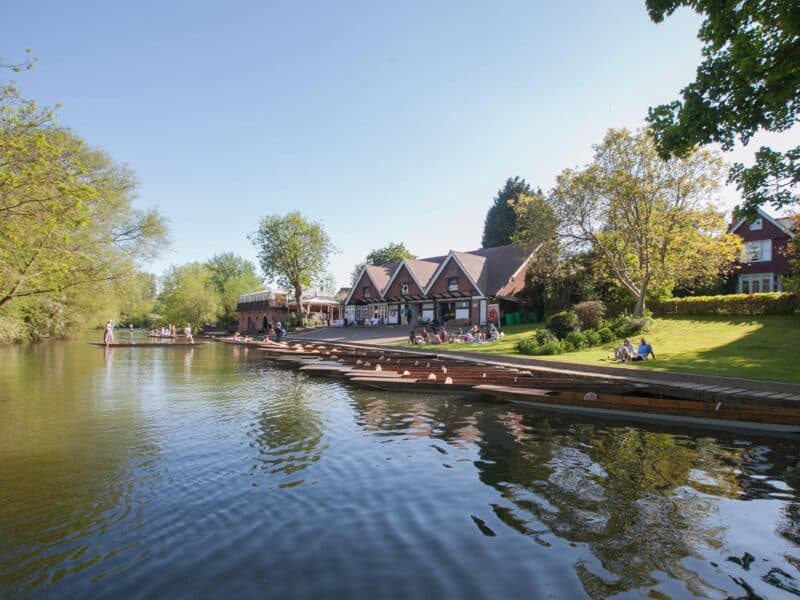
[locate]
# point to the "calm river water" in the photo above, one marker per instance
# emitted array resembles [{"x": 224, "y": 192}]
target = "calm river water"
[{"x": 207, "y": 472}]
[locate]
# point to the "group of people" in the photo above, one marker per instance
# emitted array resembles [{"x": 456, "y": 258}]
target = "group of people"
[
  {"x": 440, "y": 335},
  {"x": 169, "y": 331},
  {"x": 627, "y": 353}
]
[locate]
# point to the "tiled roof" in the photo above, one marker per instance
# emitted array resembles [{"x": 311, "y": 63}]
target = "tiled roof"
[
  {"x": 380, "y": 274},
  {"x": 424, "y": 268}
]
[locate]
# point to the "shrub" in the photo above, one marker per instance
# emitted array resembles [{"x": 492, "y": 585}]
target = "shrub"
[
  {"x": 773, "y": 303},
  {"x": 543, "y": 336},
  {"x": 592, "y": 338},
  {"x": 590, "y": 313},
  {"x": 606, "y": 335},
  {"x": 555, "y": 347},
  {"x": 576, "y": 340},
  {"x": 625, "y": 326},
  {"x": 528, "y": 346},
  {"x": 563, "y": 323},
  {"x": 533, "y": 344}
]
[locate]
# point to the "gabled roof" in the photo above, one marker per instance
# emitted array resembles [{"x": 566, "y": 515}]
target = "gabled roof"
[
  {"x": 420, "y": 269},
  {"x": 777, "y": 222},
  {"x": 379, "y": 276},
  {"x": 488, "y": 269}
]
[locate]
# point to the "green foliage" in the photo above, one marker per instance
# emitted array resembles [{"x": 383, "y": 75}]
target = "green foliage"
[
  {"x": 69, "y": 235},
  {"x": 563, "y": 323},
  {"x": 292, "y": 250},
  {"x": 575, "y": 340},
  {"x": 626, "y": 326},
  {"x": 649, "y": 221},
  {"x": 188, "y": 295},
  {"x": 593, "y": 338},
  {"x": 774, "y": 303},
  {"x": 606, "y": 335},
  {"x": 536, "y": 221},
  {"x": 590, "y": 313},
  {"x": 393, "y": 253},
  {"x": 749, "y": 80},
  {"x": 232, "y": 276},
  {"x": 501, "y": 219}
]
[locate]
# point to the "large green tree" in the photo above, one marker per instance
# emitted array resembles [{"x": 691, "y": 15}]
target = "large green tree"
[
  {"x": 66, "y": 210},
  {"x": 188, "y": 294},
  {"x": 749, "y": 80},
  {"x": 232, "y": 276},
  {"x": 293, "y": 252},
  {"x": 393, "y": 253},
  {"x": 652, "y": 222},
  {"x": 501, "y": 219}
]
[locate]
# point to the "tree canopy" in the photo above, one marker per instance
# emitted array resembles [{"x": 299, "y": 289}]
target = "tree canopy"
[
  {"x": 749, "y": 80},
  {"x": 393, "y": 253},
  {"x": 232, "y": 276},
  {"x": 188, "y": 294},
  {"x": 652, "y": 222},
  {"x": 501, "y": 220},
  {"x": 67, "y": 220},
  {"x": 293, "y": 252}
]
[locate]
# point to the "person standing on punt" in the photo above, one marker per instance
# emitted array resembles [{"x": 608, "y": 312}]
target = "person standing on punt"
[
  {"x": 187, "y": 332},
  {"x": 108, "y": 334}
]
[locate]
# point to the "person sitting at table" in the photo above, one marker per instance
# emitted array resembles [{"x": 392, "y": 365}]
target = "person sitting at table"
[
  {"x": 625, "y": 352},
  {"x": 643, "y": 351}
]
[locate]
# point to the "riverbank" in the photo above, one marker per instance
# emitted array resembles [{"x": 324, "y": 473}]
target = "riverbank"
[{"x": 755, "y": 348}]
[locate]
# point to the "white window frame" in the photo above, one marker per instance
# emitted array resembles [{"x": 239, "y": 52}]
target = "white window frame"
[
  {"x": 758, "y": 251},
  {"x": 452, "y": 284},
  {"x": 757, "y": 224},
  {"x": 404, "y": 289},
  {"x": 747, "y": 281}
]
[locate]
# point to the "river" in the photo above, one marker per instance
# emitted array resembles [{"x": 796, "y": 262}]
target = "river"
[{"x": 208, "y": 472}]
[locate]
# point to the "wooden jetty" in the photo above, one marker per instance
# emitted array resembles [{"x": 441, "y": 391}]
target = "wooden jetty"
[
  {"x": 149, "y": 344},
  {"x": 398, "y": 370}
]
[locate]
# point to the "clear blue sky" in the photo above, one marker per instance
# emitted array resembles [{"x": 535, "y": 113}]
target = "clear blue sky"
[{"x": 387, "y": 121}]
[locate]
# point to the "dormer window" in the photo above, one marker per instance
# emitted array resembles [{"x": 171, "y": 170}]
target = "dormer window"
[
  {"x": 366, "y": 292},
  {"x": 452, "y": 284},
  {"x": 404, "y": 289},
  {"x": 757, "y": 224}
]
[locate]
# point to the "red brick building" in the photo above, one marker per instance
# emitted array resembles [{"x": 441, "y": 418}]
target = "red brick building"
[
  {"x": 767, "y": 249},
  {"x": 460, "y": 287}
]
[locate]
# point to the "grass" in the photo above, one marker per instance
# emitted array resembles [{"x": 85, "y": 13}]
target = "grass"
[{"x": 759, "y": 347}]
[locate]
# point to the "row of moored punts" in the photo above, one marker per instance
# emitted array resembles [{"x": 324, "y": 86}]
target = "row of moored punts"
[{"x": 428, "y": 373}]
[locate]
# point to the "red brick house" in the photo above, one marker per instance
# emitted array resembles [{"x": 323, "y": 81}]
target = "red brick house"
[
  {"x": 458, "y": 287},
  {"x": 767, "y": 249}
]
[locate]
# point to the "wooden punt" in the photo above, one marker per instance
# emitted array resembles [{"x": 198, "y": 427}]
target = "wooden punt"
[
  {"x": 737, "y": 416},
  {"x": 149, "y": 344}
]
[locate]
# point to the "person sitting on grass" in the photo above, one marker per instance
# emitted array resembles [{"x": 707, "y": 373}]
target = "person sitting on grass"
[
  {"x": 625, "y": 352},
  {"x": 412, "y": 337},
  {"x": 643, "y": 351}
]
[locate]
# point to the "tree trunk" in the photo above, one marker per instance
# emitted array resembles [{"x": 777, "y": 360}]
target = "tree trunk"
[
  {"x": 638, "y": 310},
  {"x": 298, "y": 298}
]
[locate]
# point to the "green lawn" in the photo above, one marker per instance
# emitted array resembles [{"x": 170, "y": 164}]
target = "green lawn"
[{"x": 762, "y": 347}]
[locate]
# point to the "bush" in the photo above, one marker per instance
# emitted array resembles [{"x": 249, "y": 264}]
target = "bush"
[
  {"x": 576, "y": 340},
  {"x": 563, "y": 323},
  {"x": 550, "y": 348},
  {"x": 774, "y": 303},
  {"x": 625, "y": 326},
  {"x": 592, "y": 338},
  {"x": 590, "y": 313},
  {"x": 606, "y": 335},
  {"x": 533, "y": 344}
]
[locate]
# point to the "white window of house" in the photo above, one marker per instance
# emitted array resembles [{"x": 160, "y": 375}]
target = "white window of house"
[
  {"x": 757, "y": 224},
  {"x": 366, "y": 292},
  {"x": 427, "y": 311},
  {"x": 758, "y": 251},
  {"x": 757, "y": 283},
  {"x": 462, "y": 310},
  {"x": 452, "y": 284},
  {"x": 404, "y": 289}
]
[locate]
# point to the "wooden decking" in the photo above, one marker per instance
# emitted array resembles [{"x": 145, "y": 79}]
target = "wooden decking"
[{"x": 396, "y": 369}]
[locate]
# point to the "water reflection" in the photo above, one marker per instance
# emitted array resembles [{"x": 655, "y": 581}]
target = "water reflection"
[{"x": 288, "y": 429}]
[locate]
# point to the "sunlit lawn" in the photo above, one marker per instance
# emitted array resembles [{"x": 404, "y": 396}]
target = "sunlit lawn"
[{"x": 763, "y": 347}]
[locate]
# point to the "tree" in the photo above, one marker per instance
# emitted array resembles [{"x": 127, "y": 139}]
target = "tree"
[
  {"x": 189, "y": 295},
  {"x": 293, "y": 252},
  {"x": 232, "y": 276},
  {"x": 749, "y": 80},
  {"x": 393, "y": 253},
  {"x": 651, "y": 221},
  {"x": 501, "y": 220},
  {"x": 66, "y": 214}
]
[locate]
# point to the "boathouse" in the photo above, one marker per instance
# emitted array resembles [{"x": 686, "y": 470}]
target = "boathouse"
[
  {"x": 461, "y": 288},
  {"x": 255, "y": 310}
]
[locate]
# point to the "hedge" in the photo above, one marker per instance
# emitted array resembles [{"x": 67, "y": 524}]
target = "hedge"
[{"x": 773, "y": 303}]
